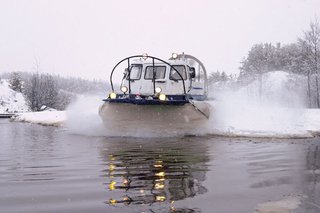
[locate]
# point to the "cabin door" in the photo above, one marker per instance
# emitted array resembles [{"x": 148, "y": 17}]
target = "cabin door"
[
  {"x": 135, "y": 78},
  {"x": 147, "y": 87}
]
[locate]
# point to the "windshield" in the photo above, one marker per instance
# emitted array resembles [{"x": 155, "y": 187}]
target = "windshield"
[
  {"x": 160, "y": 72},
  {"x": 174, "y": 75},
  {"x": 135, "y": 72}
]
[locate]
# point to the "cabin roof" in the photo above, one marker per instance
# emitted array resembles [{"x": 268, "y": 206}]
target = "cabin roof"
[{"x": 171, "y": 62}]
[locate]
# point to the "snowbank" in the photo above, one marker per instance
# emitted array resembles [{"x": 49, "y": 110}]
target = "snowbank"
[
  {"x": 50, "y": 118},
  {"x": 10, "y": 100}
]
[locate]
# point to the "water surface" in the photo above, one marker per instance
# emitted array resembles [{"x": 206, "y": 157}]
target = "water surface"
[{"x": 47, "y": 169}]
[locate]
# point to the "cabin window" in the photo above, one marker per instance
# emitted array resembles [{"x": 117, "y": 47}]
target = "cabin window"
[
  {"x": 160, "y": 72},
  {"x": 135, "y": 72},
  {"x": 174, "y": 75}
]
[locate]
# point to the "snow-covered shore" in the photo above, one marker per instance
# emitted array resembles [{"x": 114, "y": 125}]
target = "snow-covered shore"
[
  {"x": 307, "y": 126},
  {"x": 264, "y": 122},
  {"x": 10, "y": 100},
  {"x": 48, "y": 118}
]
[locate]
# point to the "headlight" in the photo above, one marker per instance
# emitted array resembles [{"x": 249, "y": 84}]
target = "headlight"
[
  {"x": 162, "y": 97},
  {"x": 174, "y": 55},
  {"x": 158, "y": 89},
  {"x": 124, "y": 89},
  {"x": 113, "y": 95}
]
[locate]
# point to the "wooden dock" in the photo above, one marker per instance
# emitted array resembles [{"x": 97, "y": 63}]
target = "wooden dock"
[{"x": 7, "y": 115}]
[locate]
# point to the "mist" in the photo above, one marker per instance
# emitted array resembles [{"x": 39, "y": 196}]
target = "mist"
[{"x": 272, "y": 108}]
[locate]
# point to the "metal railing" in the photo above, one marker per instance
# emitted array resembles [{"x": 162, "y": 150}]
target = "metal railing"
[{"x": 145, "y": 57}]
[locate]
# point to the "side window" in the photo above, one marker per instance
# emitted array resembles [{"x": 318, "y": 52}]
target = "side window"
[
  {"x": 174, "y": 75},
  {"x": 160, "y": 72},
  {"x": 135, "y": 72}
]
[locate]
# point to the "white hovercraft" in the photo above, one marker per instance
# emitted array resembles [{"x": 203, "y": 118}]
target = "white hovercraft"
[{"x": 158, "y": 94}]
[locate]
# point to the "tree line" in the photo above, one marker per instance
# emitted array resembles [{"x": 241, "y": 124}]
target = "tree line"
[
  {"x": 53, "y": 91},
  {"x": 301, "y": 57},
  {"x": 220, "y": 76}
]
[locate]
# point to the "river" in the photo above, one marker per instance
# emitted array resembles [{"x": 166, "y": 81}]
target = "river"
[{"x": 48, "y": 169}]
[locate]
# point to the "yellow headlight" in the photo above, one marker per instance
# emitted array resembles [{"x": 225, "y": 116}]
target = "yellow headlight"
[
  {"x": 162, "y": 97},
  {"x": 113, "y": 95}
]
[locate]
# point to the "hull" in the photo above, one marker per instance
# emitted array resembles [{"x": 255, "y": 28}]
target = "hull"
[{"x": 128, "y": 117}]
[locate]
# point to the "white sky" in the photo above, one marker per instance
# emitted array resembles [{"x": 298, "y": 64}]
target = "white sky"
[{"x": 87, "y": 37}]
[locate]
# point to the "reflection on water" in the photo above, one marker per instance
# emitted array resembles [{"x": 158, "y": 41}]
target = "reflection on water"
[
  {"x": 312, "y": 177},
  {"x": 45, "y": 169},
  {"x": 154, "y": 172}
]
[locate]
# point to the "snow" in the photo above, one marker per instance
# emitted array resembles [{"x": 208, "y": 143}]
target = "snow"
[
  {"x": 10, "y": 100},
  {"x": 14, "y": 102},
  {"x": 267, "y": 122},
  {"x": 310, "y": 120},
  {"x": 278, "y": 112},
  {"x": 52, "y": 118}
]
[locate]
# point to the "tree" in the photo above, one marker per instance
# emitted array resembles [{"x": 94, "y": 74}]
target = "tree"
[
  {"x": 292, "y": 58},
  {"x": 217, "y": 76},
  {"x": 310, "y": 45},
  {"x": 261, "y": 59},
  {"x": 224, "y": 76},
  {"x": 214, "y": 77},
  {"x": 41, "y": 90},
  {"x": 15, "y": 82}
]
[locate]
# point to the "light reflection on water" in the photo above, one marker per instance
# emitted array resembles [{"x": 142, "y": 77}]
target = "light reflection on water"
[
  {"x": 158, "y": 171},
  {"x": 45, "y": 169}
]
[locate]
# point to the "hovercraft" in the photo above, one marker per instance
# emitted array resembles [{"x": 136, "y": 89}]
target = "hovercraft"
[{"x": 155, "y": 93}]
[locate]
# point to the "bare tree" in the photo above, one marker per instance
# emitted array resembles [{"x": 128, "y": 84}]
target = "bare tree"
[
  {"x": 41, "y": 90},
  {"x": 310, "y": 45}
]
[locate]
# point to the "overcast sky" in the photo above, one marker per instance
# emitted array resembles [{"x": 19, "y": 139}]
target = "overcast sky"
[{"x": 87, "y": 37}]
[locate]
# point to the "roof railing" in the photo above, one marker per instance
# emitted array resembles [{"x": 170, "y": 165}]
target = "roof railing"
[{"x": 145, "y": 57}]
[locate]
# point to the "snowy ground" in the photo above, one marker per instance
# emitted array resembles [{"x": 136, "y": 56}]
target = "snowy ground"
[
  {"x": 307, "y": 123},
  {"x": 258, "y": 121},
  {"x": 11, "y": 101},
  {"x": 52, "y": 118}
]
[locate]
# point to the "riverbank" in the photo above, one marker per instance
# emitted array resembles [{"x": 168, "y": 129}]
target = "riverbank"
[{"x": 302, "y": 123}]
